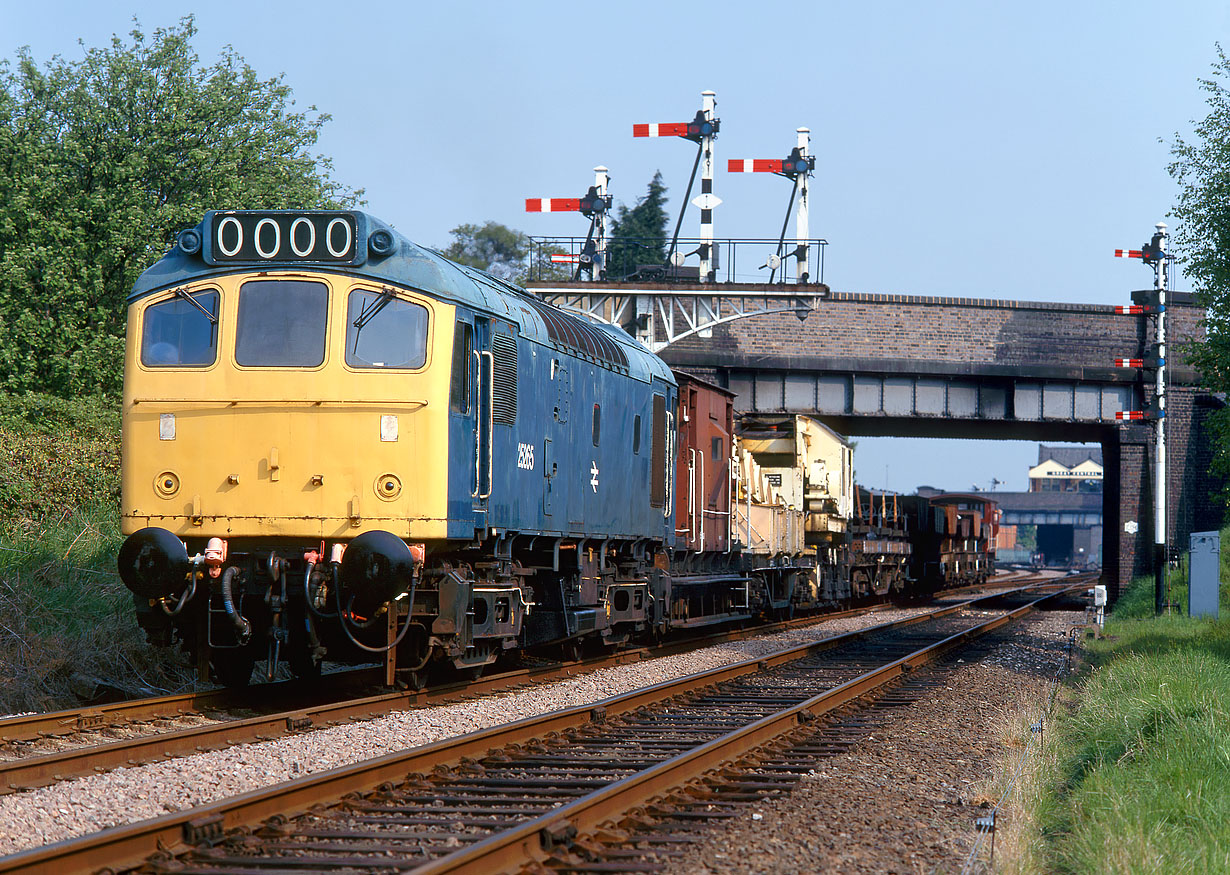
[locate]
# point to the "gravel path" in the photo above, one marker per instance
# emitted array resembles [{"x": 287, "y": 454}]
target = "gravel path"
[
  {"x": 78, "y": 807},
  {"x": 904, "y": 798}
]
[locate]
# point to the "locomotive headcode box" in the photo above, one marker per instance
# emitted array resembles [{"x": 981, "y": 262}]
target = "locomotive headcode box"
[{"x": 256, "y": 236}]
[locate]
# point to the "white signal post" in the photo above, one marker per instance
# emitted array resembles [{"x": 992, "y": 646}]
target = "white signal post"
[
  {"x": 602, "y": 178},
  {"x": 594, "y": 206},
  {"x": 1159, "y": 523},
  {"x": 702, "y": 130},
  {"x": 1154, "y": 253},
  {"x": 800, "y": 220},
  {"x": 707, "y": 200}
]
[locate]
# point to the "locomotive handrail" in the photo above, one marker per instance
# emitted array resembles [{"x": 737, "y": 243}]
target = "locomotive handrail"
[
  {"x": 667, "y": 505},
  {"x": 490, "y": 423},
  {"x": 478, "y": 425},
  {"x": 285, "y": 402}
]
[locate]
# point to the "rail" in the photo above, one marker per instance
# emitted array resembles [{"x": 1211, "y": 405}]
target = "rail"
[
  {"x": 128, "y": 845},
  {"x": 39, "y": 770}
]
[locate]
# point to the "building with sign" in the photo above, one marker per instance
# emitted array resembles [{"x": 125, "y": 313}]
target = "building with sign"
[{"x": 1067, "y": 469}]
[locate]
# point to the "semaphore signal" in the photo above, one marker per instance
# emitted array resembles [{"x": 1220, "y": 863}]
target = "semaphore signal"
[
  {"x": 1152, "y": 304},
  {"x": 701, "y": 130},
  {"x": 594, "y": 205},
  {"x": 796, "y": 167}
]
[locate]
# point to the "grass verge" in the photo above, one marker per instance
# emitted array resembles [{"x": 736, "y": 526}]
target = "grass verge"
[
  {"x": 67, "y": 629},
  {"x": 1135, "y": 774}
]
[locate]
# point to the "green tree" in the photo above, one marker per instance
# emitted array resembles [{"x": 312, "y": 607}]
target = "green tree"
[
  {"x": 505, "y": 252},
  {"x": 495, "y": 248},
  {"x": 102, "y": 161},
  {"x": 1201, "y": 166},
  {"x": 638, "y": 235}
]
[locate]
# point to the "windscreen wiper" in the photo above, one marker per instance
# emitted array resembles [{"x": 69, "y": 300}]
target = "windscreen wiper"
[
  {"x": 368, "y": 313},
  {"x": 181, "y": 293}
]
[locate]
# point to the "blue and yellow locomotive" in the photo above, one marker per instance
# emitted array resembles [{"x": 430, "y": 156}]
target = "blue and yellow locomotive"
[{"x": 338, "y": 442}]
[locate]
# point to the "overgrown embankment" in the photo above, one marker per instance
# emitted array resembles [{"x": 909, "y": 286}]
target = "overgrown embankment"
[
  {"x": 1135, "y": 776},
  {"x": 67, "y": 630}
]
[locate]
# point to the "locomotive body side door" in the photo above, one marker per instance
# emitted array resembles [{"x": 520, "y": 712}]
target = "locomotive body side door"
[{"x": 469, "y": 426}]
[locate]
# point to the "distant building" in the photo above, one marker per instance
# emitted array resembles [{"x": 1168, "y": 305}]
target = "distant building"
[
  {"x": 1067, "y": 469},
  {"x": 1060, "y": 518}
]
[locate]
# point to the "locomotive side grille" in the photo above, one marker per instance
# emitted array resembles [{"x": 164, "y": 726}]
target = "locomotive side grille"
[
  {"x": 579, "y": 336},
  {"x": 504, "y": 380}
]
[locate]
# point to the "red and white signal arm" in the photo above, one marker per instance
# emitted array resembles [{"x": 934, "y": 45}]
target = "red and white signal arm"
[
  {"x": 754, "y": 165},
  {"x": 665, "y": 129},
  {"x": 552, "y": 204}
]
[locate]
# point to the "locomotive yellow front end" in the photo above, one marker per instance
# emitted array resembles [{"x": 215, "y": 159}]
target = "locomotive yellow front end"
[
  {"x": 282, "y": 405},
  {"x": 286, "y": 404}
]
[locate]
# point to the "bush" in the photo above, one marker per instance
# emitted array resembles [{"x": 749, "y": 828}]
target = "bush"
[
  {"x": 67, "y": 628},
  {"x": 59, "y": 456}
]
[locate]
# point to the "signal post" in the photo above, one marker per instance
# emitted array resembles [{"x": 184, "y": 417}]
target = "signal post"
[{"x": 1152, "y": 304}]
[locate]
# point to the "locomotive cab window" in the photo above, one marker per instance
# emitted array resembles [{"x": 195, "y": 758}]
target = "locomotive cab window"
[
  {"x": 463, "y": 352},
  {"x": 281, "y": 324},
  {"x": 383, "y": 331},
  {"x": 181, "y": 331}
]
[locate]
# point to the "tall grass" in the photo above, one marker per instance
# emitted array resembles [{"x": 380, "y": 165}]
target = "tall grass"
[
  {"x": 67, "y": 628},
  {"x": 1136, "y": 774}
]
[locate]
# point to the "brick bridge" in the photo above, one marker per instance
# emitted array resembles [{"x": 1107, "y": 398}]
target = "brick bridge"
[{"x": 908, "y": 366}]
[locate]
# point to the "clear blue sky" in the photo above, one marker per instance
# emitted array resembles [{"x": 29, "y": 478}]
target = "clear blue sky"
[{"x": 971, "y": 149}]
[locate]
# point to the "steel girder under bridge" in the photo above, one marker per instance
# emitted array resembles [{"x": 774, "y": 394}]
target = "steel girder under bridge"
[
  {"x": 936, "y": 400},
  {"x": 659, "y": 315}
]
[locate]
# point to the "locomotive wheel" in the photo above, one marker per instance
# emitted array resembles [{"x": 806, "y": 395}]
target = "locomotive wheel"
[
  {"x": 232, "y": 668},
  {"x": 302, "y": 656},
  {"x": 415, "y": 680},
  {"x": 571, "y": 650},
  {"x": 303, "y": 664}
]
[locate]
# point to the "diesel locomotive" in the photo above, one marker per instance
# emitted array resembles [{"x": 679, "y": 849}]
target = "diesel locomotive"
[{"x": 339, "y": 444}]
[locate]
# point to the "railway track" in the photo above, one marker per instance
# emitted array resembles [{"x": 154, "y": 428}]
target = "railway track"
[
  {"x": 596, "y": 762},
  {"x": 283, "y": 711},
  {"x": 17, "y": 730},
  {"x": 153, "y": 742}
]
